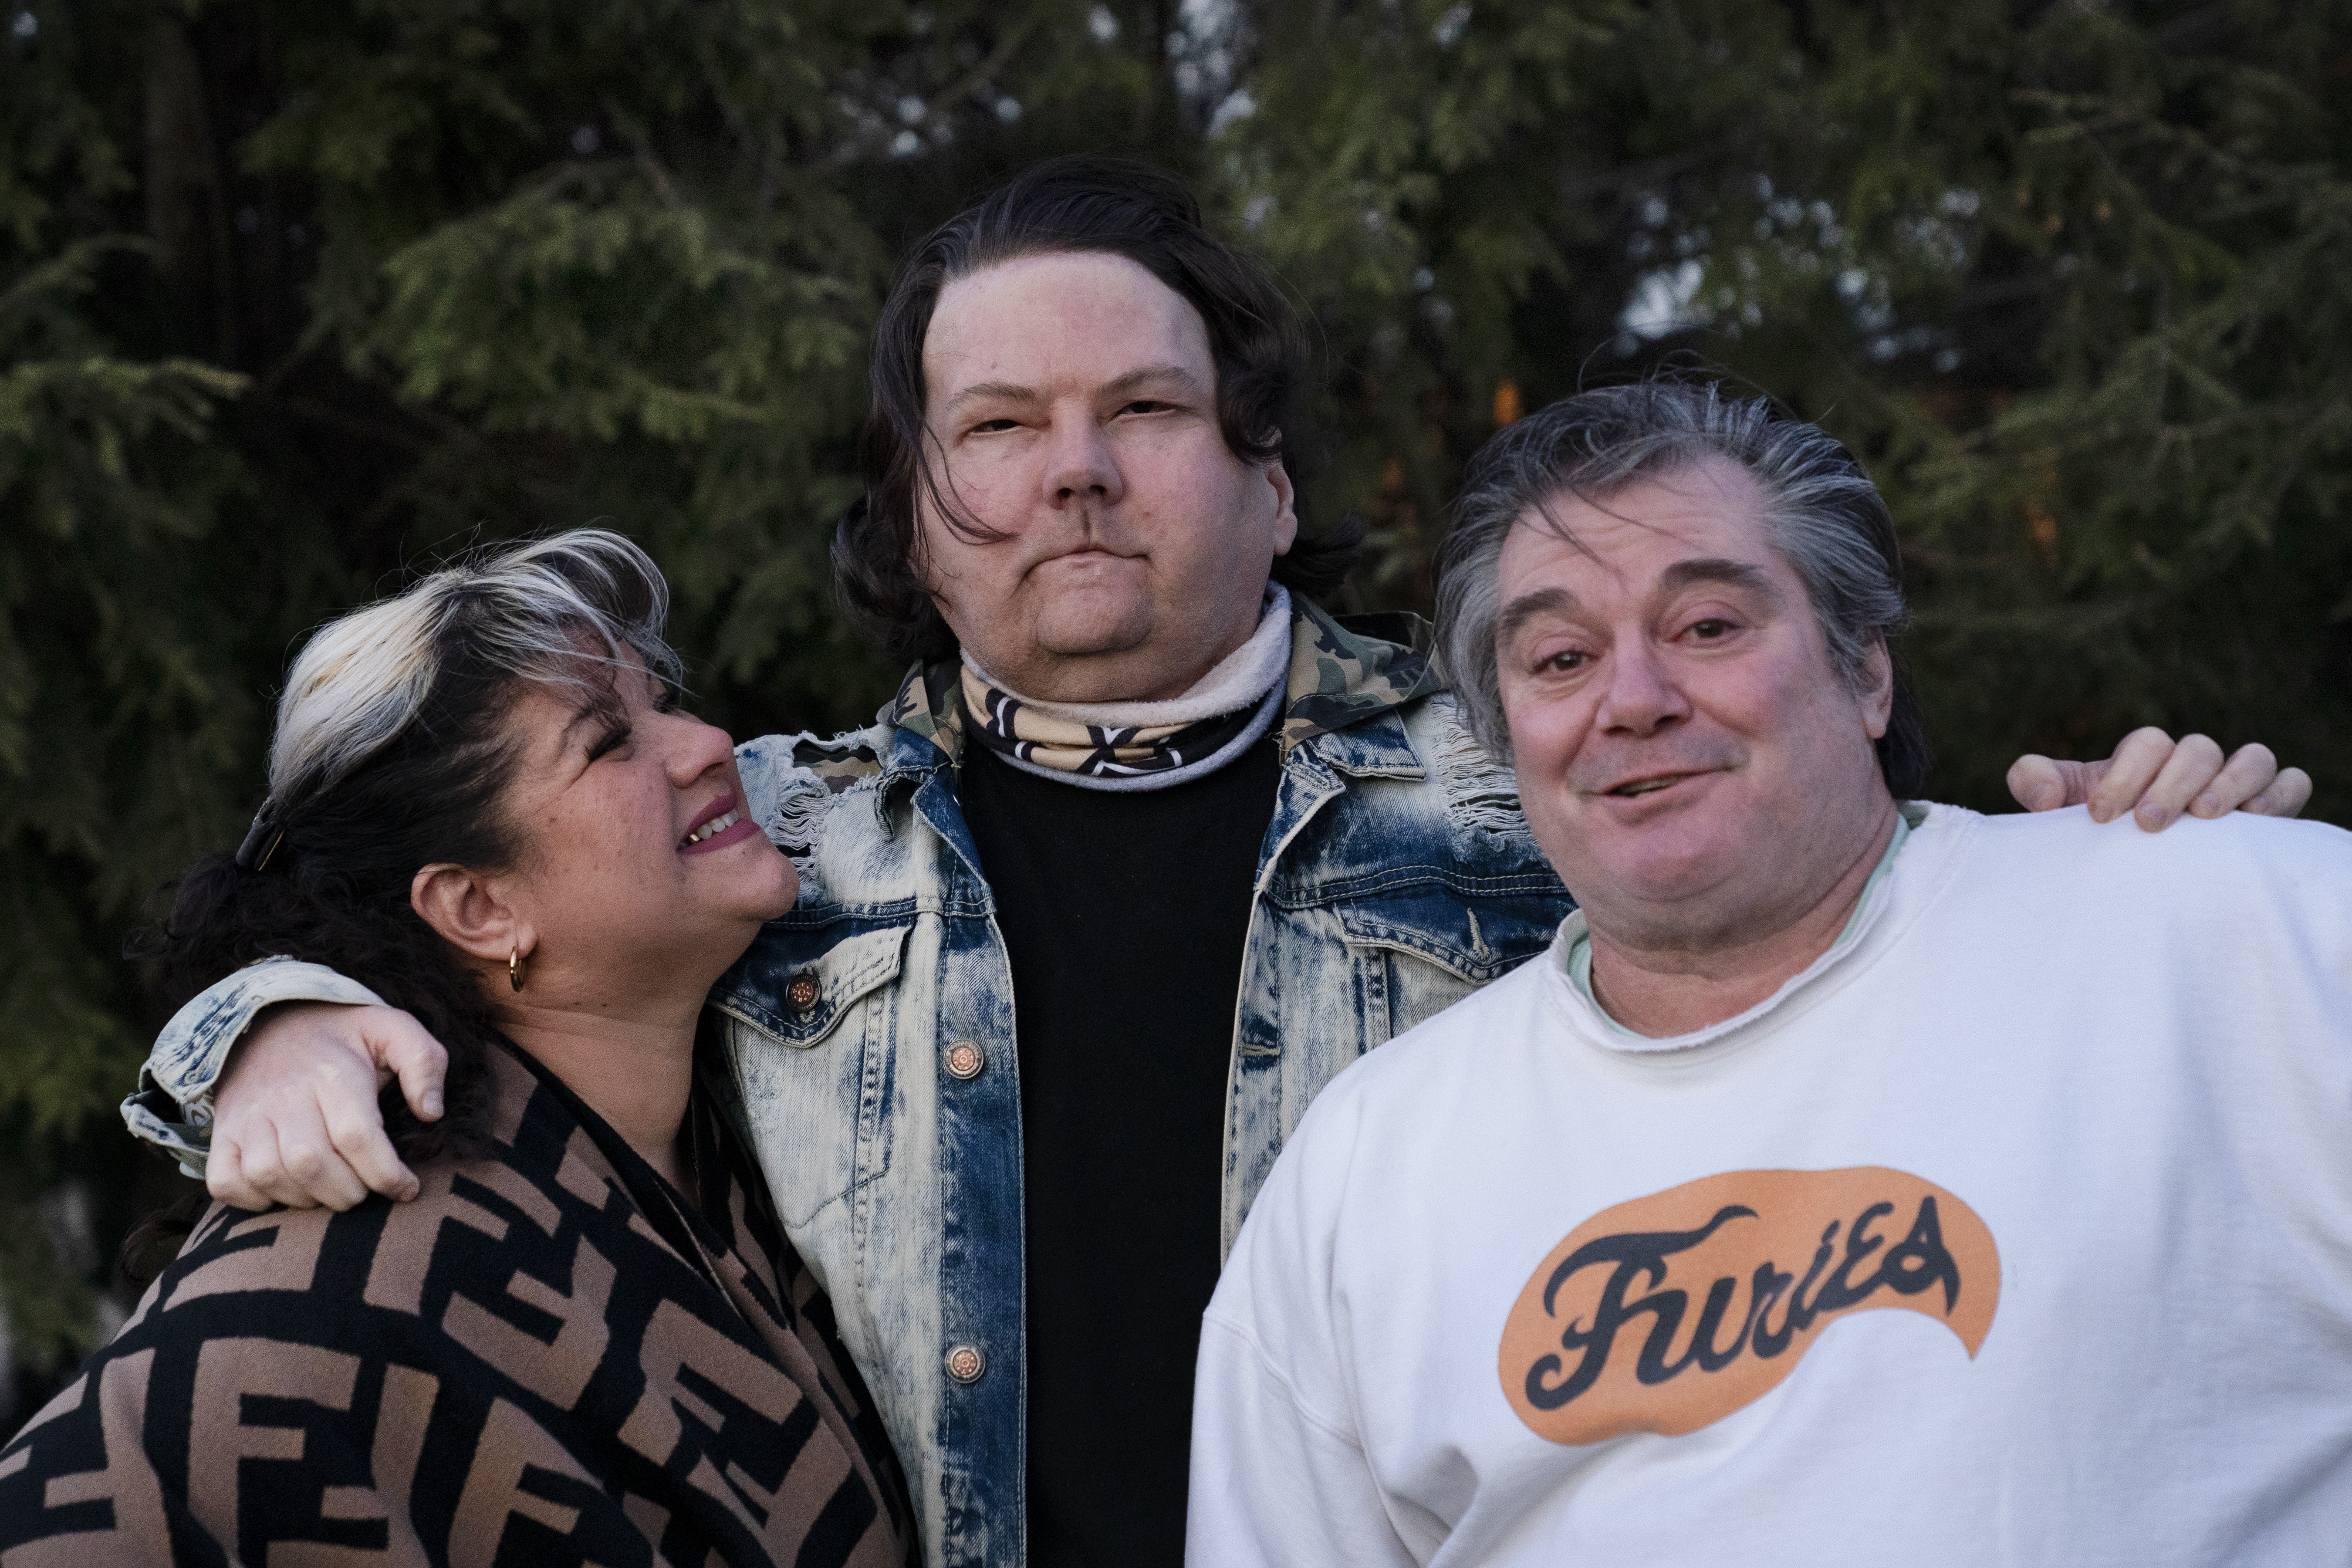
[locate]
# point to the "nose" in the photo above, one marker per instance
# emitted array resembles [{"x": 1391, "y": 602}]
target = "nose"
[
  {"x": 694, "y": 749},
  {"x": 1641, "y": 697},
  {"x": 1080, "y": 465}
]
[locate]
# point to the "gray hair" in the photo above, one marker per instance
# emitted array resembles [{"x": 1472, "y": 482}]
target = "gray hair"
[
  {"x": 1822, "y": 515},
  {"x": 547, "y": 611}
]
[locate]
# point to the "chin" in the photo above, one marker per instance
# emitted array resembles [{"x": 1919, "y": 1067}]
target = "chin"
[
  {"x": 1665, "y": 864},
  {"x": 765, "y": 886},
  {"x": 784, "y": 895},
  {"x": 1080, "y": 630}
]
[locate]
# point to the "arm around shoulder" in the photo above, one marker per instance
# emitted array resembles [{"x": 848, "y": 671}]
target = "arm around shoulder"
[
  {"x": 173, "y": 1105},
  {"x": 297, "y": 1120}
]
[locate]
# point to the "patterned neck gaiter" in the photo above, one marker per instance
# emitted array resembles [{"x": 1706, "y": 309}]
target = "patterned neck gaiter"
[{"x": 1140, "y": 745}]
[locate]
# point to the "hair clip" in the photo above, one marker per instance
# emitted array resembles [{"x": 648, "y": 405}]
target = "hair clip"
[{"x": 264, "y": 823}]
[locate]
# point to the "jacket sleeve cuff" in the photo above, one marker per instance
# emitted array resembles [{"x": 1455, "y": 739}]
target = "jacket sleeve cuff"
[
  {"x": 156, "y": 1119},
  {"x": 173, "y": 1106}
]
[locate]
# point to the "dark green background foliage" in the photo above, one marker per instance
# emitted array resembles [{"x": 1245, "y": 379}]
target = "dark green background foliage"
[{"x": 295, "y": 296}]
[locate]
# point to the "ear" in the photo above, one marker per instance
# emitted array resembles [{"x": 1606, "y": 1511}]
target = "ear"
[
  {"x": 1285, "y": 507},
  {"x": 1877, "y": 694},
  {"x": 471, "y": 911}
]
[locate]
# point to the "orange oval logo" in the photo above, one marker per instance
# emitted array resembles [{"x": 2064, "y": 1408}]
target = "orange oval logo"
[{"x": 1605, "y": 1338}]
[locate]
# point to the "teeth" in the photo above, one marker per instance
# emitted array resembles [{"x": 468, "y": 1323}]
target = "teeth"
[
  {"x": 1647, "y": 786},
  {"x": 718, "y": 823}
]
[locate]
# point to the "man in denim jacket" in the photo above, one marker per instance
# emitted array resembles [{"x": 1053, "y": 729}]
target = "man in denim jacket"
[{"x": 1206, "y": 843}]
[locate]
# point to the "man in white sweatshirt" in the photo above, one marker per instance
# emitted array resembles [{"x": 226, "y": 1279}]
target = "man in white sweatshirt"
[{"x": 1588, "y": 1268}]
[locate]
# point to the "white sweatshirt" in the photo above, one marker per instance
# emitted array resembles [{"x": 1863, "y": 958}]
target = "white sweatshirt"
[{"x": 2075, "y": 1102}]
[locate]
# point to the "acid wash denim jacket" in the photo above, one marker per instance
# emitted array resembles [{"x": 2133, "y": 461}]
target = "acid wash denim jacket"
[{"x": 873, "y": 1031}]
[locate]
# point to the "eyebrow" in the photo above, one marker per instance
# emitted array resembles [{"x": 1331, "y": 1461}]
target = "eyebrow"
[
  {"x": 1150, "y": 373},
  {"x": 609, "y": 706},
  {"x": 1682, "y": 574},
  {"x": 1004, "y": 390},
  {"x": 1717, "y": 569},
  {"x": 1012, "y": 392}
]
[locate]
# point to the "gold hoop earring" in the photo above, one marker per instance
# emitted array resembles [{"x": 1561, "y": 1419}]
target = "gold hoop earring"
[{"x": 514, "y": 968}]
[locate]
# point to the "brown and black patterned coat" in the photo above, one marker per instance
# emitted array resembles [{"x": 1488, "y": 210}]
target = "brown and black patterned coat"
[{"x": 546, "y": 1358}]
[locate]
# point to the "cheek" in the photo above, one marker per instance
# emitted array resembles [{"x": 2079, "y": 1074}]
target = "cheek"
[
  {"x": 1188, "y": 476},
  {"x": 1757, "y": 699},
  {"x": 1545, "y": 735},
  {"x": 1814, "y": 706},
  {"x": 992, "y": 483},
  {"x": 620, "y": 834},
  {"x": 982, "y": 482},
  {"x": 948, "y": 564}
]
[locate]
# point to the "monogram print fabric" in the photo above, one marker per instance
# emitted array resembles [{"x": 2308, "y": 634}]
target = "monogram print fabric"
[{"x": 545, "y": 1358}]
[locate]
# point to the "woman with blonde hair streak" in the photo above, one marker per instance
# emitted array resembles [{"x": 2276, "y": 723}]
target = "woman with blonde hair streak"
[{"x": 587, "y": 1338}]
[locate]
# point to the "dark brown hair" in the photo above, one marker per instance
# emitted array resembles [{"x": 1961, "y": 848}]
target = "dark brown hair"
[{"x": 1077, "y": 203}]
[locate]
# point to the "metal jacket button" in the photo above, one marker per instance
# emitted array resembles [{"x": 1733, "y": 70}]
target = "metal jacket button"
[
  {"x": 965, "y": 1060},
  {"x": 965, "y": 1364},
  {"x": 802, "y": 994}
]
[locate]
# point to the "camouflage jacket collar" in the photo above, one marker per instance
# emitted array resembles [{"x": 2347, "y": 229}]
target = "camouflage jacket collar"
[
  {"x": 1342, "y": 676},
  {"x": 926, "y": 719}
]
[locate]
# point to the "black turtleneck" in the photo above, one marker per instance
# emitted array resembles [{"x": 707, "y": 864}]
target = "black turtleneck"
[{"x": 1125, "y": 917}]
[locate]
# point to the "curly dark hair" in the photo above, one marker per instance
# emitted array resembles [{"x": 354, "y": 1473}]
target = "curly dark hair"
[
  {"x": 391, "y": 754},
  {"x": 1077, "y": 203}
]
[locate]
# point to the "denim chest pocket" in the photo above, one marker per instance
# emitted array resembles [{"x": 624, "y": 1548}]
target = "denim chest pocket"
[
  {"x": 1420, "y": 951},
  {"x": 812, "y": 1046}
]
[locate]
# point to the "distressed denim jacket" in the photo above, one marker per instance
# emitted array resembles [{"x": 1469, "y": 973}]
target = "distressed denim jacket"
[{"x": 874, "y": 1036}]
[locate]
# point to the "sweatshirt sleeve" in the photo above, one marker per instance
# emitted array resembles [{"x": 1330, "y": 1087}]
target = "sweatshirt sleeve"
[
  {"x": 1272, "y": 1482},
  {"x": 1279, "y": 1473}
]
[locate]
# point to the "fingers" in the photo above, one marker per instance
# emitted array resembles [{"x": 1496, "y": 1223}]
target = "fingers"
[
  {"x": 359, "y": 1148},
  {"x": 2249, "y": 771},
  {"x": 2185, "y": 774},
  {"x": 2036, "y": 783},
  {"x": 2136, "y": 764},
  {"x": 298, "y": 1121},
  {"x": 2157, "y": 781},
  {"x": 263, "y": 1170},
  {"x": 2286, "y": 797},
  {"x": 298, "y": 1100},
  {"x": 2042, "y": 783},
  {"x": 225, "y": 1176},
  {"x": 401, "y": 1045},
  {"x": 297, "y": 1165},
  {"x": 278, "y": 1122}
]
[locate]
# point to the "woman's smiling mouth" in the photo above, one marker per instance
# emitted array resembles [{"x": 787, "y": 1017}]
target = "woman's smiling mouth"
[
  {"x": 718, "y": 823},
  {"x": 726, "y": 825}
]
